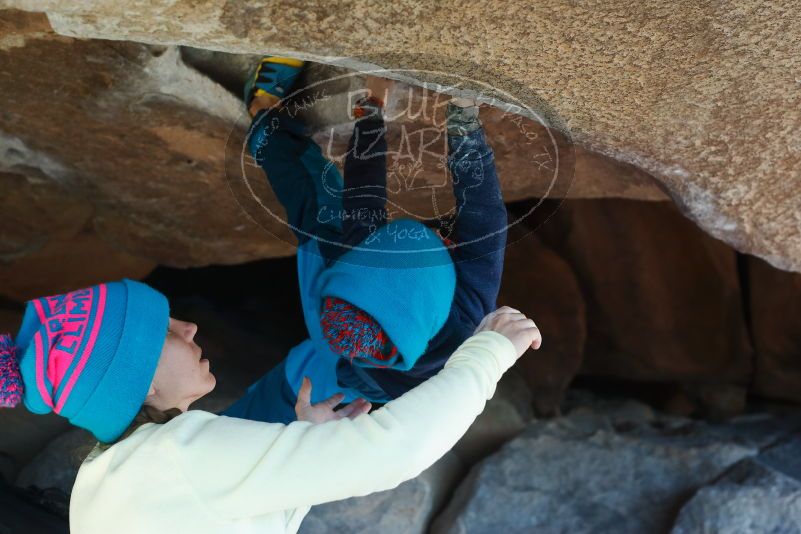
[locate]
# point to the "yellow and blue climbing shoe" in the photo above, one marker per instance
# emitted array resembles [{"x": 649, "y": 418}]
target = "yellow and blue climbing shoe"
[{"x": 274, "y": 76}]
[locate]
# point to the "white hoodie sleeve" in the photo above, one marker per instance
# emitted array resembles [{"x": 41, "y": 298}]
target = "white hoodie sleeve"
[{"x": 241, "y": 468}]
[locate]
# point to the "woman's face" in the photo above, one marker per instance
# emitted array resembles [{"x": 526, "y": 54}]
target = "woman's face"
[{"x": 182, "y": 376}]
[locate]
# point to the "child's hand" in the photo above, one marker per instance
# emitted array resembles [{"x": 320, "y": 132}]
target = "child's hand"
[
  {"x": 324, "y": 411},
  {"x": 518, "y": 328}
]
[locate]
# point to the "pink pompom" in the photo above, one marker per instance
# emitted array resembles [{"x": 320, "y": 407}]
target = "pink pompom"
[{"x": 11, "y": 386}]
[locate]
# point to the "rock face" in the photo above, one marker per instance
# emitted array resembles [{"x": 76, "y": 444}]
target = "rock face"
[
  {"x": 702, "y": 97},
  {"x": 544, "y": 287},
  {"x": 124, "y": 135},
  {"x": 749, "y": 499},
  {"x": 47, "y": 244},
  {"x": 79, "y": 261},
  {"x": 57, "y": 465},
  {"x": 605, "y": 467},
  {"x": 21, "y": 513},
  {"x": 25, "y": 434},
  {"x": 760, "y": 494},
  {"x": 505, "y": 415},
  {"x": 138, "y": 158},
  {"x": 776, "y": 325},
  {"x": 535, "y": 475},
  {"x": 663, "y": 299}
]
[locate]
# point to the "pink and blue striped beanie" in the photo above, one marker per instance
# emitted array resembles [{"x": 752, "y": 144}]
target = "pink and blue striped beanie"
[{"x": 88, "y": 355}]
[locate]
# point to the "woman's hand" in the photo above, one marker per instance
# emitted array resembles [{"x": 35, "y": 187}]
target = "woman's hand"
[
  {"x": 518, "y": 328},
  {"x": 324, "y": 410}
]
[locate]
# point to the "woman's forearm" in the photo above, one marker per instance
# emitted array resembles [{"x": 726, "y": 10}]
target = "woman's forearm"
[{"x": 302, "y": 464}]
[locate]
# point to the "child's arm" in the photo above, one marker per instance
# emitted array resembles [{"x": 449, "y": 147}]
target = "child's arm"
[{"x": 479, "y": 234}]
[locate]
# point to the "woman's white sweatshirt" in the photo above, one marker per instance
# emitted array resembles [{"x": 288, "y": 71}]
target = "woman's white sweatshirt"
[{"x": 202, "y": 473}]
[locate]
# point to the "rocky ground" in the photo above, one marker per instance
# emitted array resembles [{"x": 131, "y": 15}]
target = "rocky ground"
[{"x": 605, "y": 466}]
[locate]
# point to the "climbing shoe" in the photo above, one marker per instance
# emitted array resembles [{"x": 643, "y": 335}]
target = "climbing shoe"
[{"x": 272, "y": 76}]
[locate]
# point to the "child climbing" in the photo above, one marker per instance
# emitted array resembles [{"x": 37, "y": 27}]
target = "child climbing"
[
  {"x": 385, "y": 303},
  {"x": 111, "y": 360}
]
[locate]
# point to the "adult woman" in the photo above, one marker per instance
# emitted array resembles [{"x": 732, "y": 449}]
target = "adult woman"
[{"x": 98, "y": 355}]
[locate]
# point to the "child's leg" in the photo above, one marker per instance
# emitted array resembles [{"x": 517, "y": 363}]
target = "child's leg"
[
  {"x": 270, "y": 400},
  {"x": 306, "y": 183},
  {"x": 481, "y": 219},
  {"x": 308, "y": 186}
]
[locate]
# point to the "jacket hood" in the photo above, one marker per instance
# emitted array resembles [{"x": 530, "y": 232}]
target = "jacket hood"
[{"x": 404, "y": 277}]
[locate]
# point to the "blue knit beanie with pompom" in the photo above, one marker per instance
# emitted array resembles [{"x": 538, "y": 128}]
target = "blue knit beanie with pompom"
[{"x": 89, "y": 355}]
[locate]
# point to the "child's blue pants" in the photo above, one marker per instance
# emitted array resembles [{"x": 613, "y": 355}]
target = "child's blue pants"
[{"x": 307, "y": 184}]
